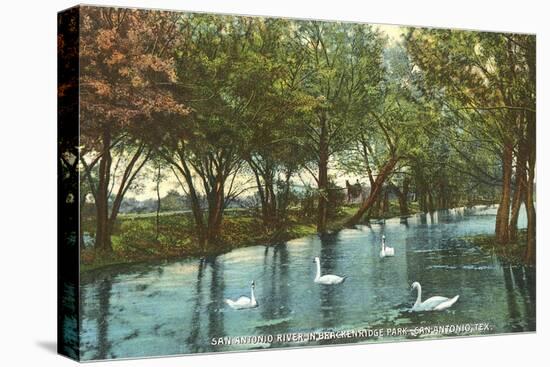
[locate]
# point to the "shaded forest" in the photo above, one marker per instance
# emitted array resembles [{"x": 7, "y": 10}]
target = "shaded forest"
[{"x": 235, "y": 107}]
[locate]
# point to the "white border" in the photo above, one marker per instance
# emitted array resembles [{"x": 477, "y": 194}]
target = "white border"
[{"x": 28, "y": 184}]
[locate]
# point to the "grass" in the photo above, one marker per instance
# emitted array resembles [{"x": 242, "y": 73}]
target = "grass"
[
  {"x": 511, "y": 253},
  {"x": 392, "y": 212},
  {"x": 134, "y": 236}
]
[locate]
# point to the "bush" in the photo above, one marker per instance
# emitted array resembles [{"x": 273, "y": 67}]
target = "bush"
[
  {"x": 308, "y": 202},
  {"x": 136, "y": 234},
  {"x": 336, "y": 199}
]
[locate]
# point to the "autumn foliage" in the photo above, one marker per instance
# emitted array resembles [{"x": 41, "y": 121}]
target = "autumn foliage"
[
  {"x": 127, "y": 75},
  {"x": 127, "y": 67}
]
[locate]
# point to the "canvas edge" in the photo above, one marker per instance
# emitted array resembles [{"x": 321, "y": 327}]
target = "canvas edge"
[
  {"x": 332, "y": 20},
  {"x": 68, "y": 247}
]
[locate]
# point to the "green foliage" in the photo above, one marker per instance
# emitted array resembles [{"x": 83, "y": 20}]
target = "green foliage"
[
  {"x": 512, "y": 253},
  {"x": 251, "y": 104},
  {"x": 135, "y": 235},
  {"x": 473, "y": 84},
  {"x": 307, "y": 201},
  {"x": 173, "y": 201},
  {"x": 336, "y": 199}
]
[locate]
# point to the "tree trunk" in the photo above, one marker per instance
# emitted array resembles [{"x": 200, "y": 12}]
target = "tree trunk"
[
  {"x": 443, "y": 199},
  {"x": 323, "y": 179},
  {"x": 519, "y": 193},
  {"x": 194, "y": 200},
  {"x": 261, "y": 193},
  {"x": 421, "y": 193},
  {"x": 271, "y": 200},
  {"x": 385, "y": 203},
  {"x": 402, "y": 197},
  {"x": 375, "y": 210},
  {"x": 530, "y": 255},
  {"x": 103, "y": 235},
  {"x": 503, "y": 213},
  {"x": 216, "y": 203},
  {"x": 266, "y": 191},
  {"x": 374, "y": 192},
  {"x": 125, "y": 183},
  {"x": 81, "y": 204},
  {"x": 158, "y": 204},
  {"x": 430, "y": 201},
  {"x": 423, "y": 201},
  {"x": 516, "y": 206},
  {"x": 283, "y": 204}
]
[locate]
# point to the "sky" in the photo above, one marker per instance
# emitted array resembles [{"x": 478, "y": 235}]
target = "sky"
[
  {"x": 393, "y": 32},
  {"x": 170, "y": 182}
]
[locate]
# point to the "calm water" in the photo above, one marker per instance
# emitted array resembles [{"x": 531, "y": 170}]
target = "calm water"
[{"x": 178, "y": 307}]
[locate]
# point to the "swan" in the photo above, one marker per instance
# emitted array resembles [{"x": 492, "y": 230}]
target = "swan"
[
  {"x": 327, "y": 279},
  {"x": 436, "y": 303},
  {"x": 386, "y": 251},
  {"x": 244, "y": 302}
]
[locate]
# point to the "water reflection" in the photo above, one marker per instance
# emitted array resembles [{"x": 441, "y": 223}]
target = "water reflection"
[
  {"x": 519, "y": 299},
  {"x": 210, "y": 299},
  {"x": 178, "y": 307},
  {"x": 195, "y": 322},
  {"x": 274, "y": 282},
  {"x": 215, "y": 317},
  {"x": 331, "y": 297}
]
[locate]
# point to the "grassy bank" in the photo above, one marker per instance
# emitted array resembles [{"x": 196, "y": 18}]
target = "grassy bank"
[
  {"x": 135, "y": 236},
  {"x": 512, "y": 253},
  {"x": 392, "y": 211}
]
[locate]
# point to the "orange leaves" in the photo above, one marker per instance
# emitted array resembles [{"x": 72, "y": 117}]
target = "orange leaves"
[
  {"x": 105, "y": 39},
  {"x": 127, "y": 69},
  {"x": 157, "y": 64},
  {"x": 124, "y": 71},
  {"x": 137, "y": 82},
  {"x": 63, "y": 88},
  {"x": 101, "y": 88},
  {"x": 116, "y": 58}
]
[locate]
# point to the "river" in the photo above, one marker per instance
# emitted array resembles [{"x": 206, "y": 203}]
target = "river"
[{"x": 178, "y": 307}]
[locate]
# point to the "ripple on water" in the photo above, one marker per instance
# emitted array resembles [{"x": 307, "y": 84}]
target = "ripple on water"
[
  {"x": 462, "y": 267},
  {"x": 176, "y": 307}
]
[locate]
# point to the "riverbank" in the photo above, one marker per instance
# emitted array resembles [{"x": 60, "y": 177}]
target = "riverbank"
[
  {"x": 512, "y": 253},
  {"x": 135, "y": 238}
]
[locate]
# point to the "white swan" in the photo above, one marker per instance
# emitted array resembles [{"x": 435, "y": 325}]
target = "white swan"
[
  {"x": 436, "y": 303},
  {"x": 386, "y": 251},
  {"x": 244, "y": 302},
  {"x": 327, "y": 279}
]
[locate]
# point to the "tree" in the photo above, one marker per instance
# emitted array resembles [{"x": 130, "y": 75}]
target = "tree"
[
  {"x": 158, "y": 164},
  {"x": 274, "y": 150},
  {"x": 343, "y": 63},
  {"x": 486, "y": 82},
  {"x": 126, "y": 76},
  {"x": 389, "y": 131},
  {"x": 218, "y": 60}
]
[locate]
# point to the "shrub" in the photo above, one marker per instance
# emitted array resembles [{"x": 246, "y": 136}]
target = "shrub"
[{"x": 136, "y": 234}]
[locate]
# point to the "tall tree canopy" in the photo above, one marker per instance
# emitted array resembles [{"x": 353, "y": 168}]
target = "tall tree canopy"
[
  {"x": 126, "y": 72},
  {"x": 344, "y": 62},
  {"x": 486, "y": 82},
  {"x": 236, "y": 106}
]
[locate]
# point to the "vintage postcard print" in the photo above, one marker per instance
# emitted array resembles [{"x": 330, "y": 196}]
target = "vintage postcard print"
[{"x": 234, "y": 183}]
